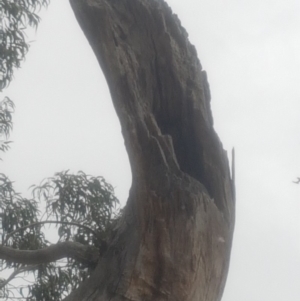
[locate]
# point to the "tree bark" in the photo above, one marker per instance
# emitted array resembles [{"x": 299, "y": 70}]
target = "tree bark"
[
  {"x": 67, "y": 249},
  {"x": 174, "y": 239}
]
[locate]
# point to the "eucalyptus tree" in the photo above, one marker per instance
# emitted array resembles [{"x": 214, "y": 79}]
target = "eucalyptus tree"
[{"x": 173, "y": 238}]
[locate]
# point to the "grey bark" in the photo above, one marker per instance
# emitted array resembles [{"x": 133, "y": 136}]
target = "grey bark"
[
  {"x": 84, "y": 254},
  {"x": 174, "y": 239}
]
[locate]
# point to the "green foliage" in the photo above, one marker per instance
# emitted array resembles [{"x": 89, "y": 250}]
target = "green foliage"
[
  {"x": 6, "y": 110},
  {"x": 53, "y": 283},
  {"x": 83, "y": 209},
  {"x": 17, "y": 212},
  {"x": 86, "y": 200},
  {"x": 15, "y": 16}
]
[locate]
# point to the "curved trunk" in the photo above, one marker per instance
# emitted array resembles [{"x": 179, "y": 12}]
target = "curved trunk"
[{"x": 174, "y": 239}]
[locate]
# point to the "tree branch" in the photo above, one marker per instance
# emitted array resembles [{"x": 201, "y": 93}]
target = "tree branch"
[
  {"x": 49, "y": 222},
  {"x": 68, "y": 249},
  {"x": 16, "y": 272}
]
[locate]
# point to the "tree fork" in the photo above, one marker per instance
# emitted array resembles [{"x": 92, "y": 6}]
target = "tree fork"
[{"x": 174, "y": 239}]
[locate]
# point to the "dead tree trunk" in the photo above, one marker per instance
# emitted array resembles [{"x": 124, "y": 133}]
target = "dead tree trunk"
[{"x": 174, "y": 239}]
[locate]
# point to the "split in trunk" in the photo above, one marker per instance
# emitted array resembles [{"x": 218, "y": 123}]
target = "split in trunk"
[{"x": 174, "y": 239}]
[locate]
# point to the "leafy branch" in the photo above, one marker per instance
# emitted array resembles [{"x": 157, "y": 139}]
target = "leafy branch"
[
  {"x": 6, "y": 109},
  {"x": 49, "y": 222},
  {"x": 15, "y": 16},
  {"x": 84, "y": 208}
]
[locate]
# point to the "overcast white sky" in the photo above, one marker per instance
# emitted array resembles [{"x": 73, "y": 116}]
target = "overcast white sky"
[{"x": 251, "y": 51}]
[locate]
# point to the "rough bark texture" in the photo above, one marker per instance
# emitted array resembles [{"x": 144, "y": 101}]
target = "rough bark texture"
[{"x": 174, "y": 240}]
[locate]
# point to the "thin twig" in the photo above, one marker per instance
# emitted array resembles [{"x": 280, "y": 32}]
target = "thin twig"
[{"x": 16, "y": 272}]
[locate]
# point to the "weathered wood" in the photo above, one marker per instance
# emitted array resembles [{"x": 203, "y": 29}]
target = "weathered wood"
[{"x": 174, "y": 239}]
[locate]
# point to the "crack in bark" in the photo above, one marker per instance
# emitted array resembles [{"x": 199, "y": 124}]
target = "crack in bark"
[{"x": 161, "y": 97}]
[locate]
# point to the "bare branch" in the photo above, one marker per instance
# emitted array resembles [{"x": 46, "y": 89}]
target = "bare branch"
[
  {"x": 17, "y": 272},
  {"x": 68, "y": 249}
]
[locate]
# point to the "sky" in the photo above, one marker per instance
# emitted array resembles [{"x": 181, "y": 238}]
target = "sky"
[{"x": 251, "y": 51}]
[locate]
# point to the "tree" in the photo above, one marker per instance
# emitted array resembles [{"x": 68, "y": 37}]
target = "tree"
[{"x": 173, "y": 238}]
